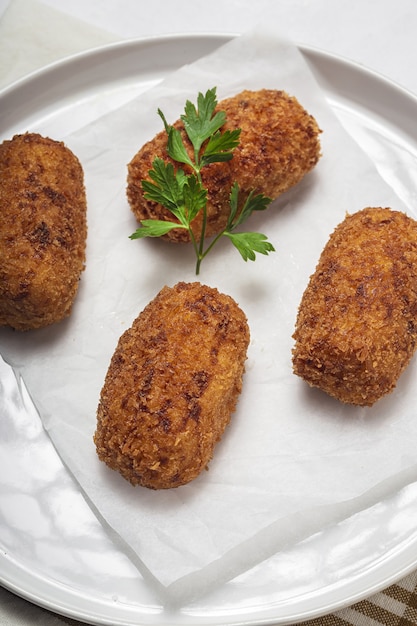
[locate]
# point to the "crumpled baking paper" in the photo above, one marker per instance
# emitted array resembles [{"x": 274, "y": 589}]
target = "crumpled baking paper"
[{"x": 292, "y": 460}]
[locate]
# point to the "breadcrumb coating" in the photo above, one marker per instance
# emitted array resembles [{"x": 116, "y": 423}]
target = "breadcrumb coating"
[
  {"x": 279, "y": 144},
  {"x": 172, "y": 385},
  {"x": 43, "y": 231},
  {"x": 356, "y": 326}
]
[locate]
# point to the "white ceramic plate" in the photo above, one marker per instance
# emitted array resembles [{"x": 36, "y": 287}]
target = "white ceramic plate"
[{"x": 61, "y": 557}]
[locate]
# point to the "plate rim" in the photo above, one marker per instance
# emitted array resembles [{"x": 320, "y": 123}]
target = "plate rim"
[
  {"x": 363, "y": 76},
  {"x": 222, "y": 36},
  {"x": 310, "y": 51}
]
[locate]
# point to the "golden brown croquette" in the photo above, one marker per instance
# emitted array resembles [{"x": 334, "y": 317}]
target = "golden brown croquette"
[
  {"x": 42, "y": 230},
  {"x": 172, "y": 385},
  {"x": 279, "y": 144},
  {"x": 357, "y": 322}
]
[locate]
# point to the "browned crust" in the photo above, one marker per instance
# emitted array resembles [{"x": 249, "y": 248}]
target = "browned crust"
[
  {"x": 172, "y": 385},
  {"x": 279, "y": 144},
  {"x": 42, "y": 230},
  {"x": 356, "y": 326}
]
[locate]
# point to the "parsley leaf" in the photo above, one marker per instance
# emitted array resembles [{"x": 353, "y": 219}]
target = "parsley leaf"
[
  {"x": 253, "y": 202},
  {"x": 220, "y": 147},
  {"x": 249, "y": 243},
  {"x": 167, "y": 186},
  {"x": 154, "y": 228},
  {"x": 195, "y": 197},
  {"x": 201, "y": 123},
  {"x": 176, "y": 148}
]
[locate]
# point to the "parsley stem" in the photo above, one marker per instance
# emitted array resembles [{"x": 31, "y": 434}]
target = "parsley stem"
[
  {"x": 203, "y": 232},
  {"x": 193, "y": 240},
  {"x": 204, "y": 253},
  {"x": 213, "y": 243},
  {"x": 199, "y": 252}
]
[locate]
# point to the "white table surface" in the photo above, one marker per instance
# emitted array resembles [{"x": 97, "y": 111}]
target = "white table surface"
[{"x": 379, "y": 34}]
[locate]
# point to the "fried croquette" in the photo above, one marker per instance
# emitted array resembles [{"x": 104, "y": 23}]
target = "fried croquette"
[
  {"x": 42, "y": 231},
  {"x": 172, "y": 385},
  {"x": 279, "y": 144},
  {"x": 356, "y": 327}
]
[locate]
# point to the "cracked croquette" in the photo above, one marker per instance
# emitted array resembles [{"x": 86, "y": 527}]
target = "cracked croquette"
[
  {"x": 171, "y": 387},
  {"x": 43, "y": 230},
  {"x": 279, "y": 145},
  {"x": 356, "y": 327}
]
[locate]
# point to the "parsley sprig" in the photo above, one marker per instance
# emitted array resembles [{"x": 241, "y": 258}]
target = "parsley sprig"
[{"x": 184, "y": 195}]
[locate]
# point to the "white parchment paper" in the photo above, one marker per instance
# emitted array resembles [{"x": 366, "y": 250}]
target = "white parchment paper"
[{"x": 292, "y": 460}]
